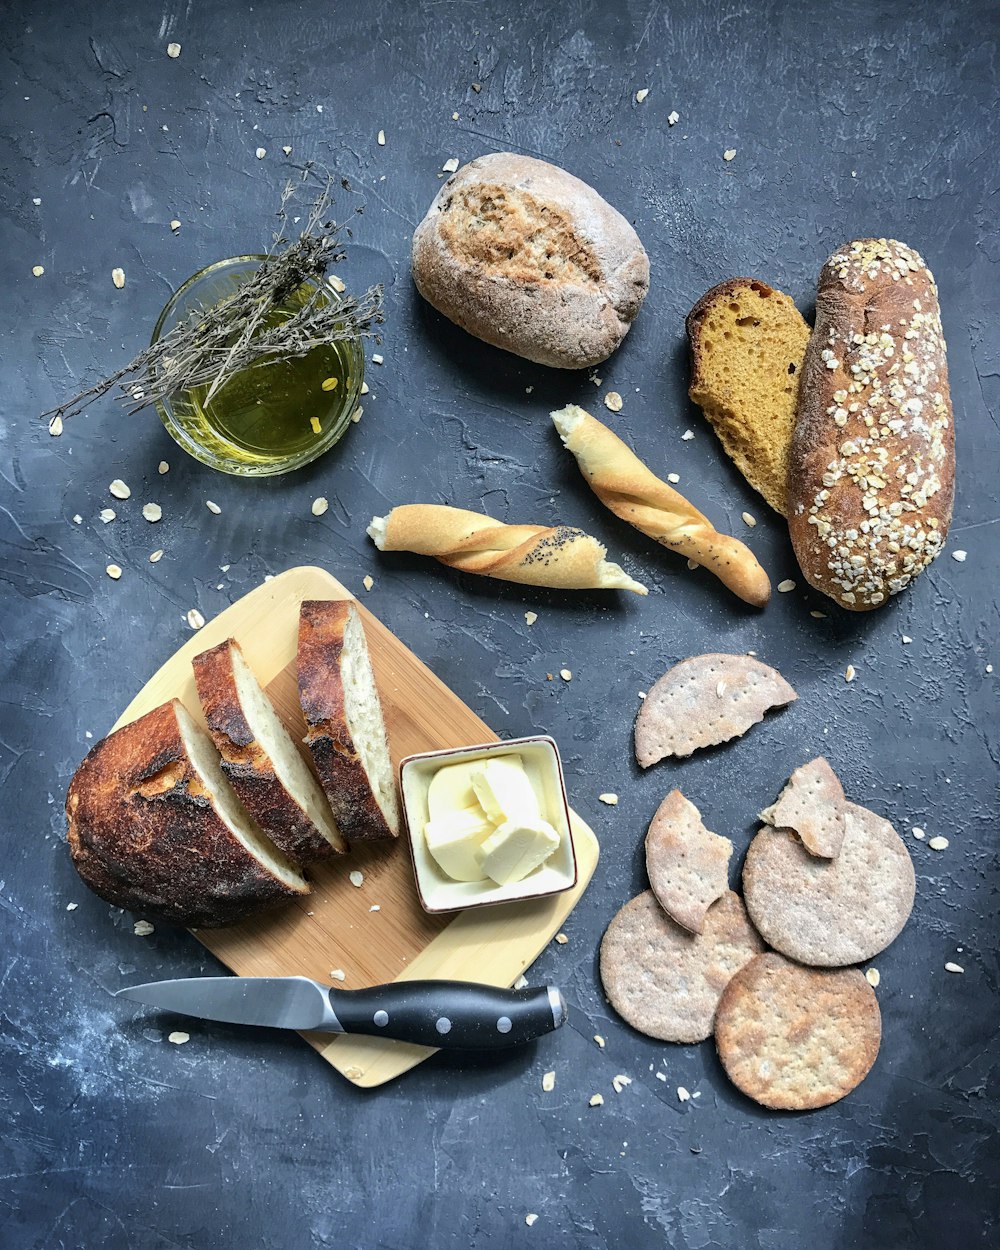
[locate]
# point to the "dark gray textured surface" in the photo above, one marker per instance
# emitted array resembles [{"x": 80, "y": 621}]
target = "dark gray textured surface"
[{"x": 877, "y": 119}]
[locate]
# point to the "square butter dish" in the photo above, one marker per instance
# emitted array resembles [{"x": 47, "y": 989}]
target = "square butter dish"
[{"x": 437, "y": 891}]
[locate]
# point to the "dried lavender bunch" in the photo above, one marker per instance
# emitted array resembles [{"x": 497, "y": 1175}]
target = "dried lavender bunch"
[{"x": 210, "y": 347}]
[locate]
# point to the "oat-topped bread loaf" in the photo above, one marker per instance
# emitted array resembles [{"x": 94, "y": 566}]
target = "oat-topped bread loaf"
[
  {"x": 154, "y": 826},
  {"x": 260, "y": 759},
  {"x": 747, "y": 344},
  {"x": 872, "y": 468},
  {"x": 527, "y": 257}
]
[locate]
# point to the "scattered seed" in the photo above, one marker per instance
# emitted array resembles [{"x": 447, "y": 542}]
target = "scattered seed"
[
  {"x": 673, "y": 477},
  {"x": 938, "y": 843},
  {"x": 163, "y": 467},
  {"x": 596, "y": 1100},
  {"x": 918, "y": 832},
  {"x": 337, "y": 974},
  {"x": 530, "y": 618},
  {"x": 119, "y": 489},
  {"x": 357, "y": 879},
  {"x": 613, "y": 401},
  {"x": 872, "y": 977},
  {"x": 173, "y": 51},
  {"x": 549, "y": 1082},
  {"x": 142, "y": 928},
  {"x": 357, "y": 414},
  {"x": 175, "y": 225},
  {"x": 817, "y": 616},
  {"x": 641, "y": 94},
  {"x": 950, "y": 967},
  {"x": 749, "y": 519},
  {"x": 118, "y": 277},
  {"x": 38, "y": 270},
  {"x": 599, "y": 1040},
  {"x": 620, "y": 1081},
  {"x": 673, "y": 118},
  {"x": 156, "y": 556},
  {"x": 728, "y": 154},
  {"x": 56, "y": 426},
  {"x": 785, "y": 586},
  {"x": 152, "y": 511},
  {"x": 849, "y": 673},
  {"x": 316, "y": 425},
  {"x": 566, "y": 674},
  {"x": 377, "y": 359},
  {"x": 195, "y": 619},
  {"x": 562, "y": 939},
  {"x": 450, "y": 166},
  {"x": 610, "y": 799},
  {"x": 368, "y": 581},
  {"x": 530, "y": 1218},
  {"x": 682, "y": 1094},
  {"x": 212, "y": 506},
  {"x": 330, "y": 384},
  {"x": 380, "y": 139},
  {"x": 113, "y": 571},
  {"x": 320, "y": 505},
  {"x": 261, "y": 153},
  {"x": 959, "y": 556}
]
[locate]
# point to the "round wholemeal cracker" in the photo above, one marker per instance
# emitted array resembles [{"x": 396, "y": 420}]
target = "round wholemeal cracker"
[
  {"x": 688, "y": 865},
  {"x": 830, "y": 912},
  {"x": 703, "y": 701},
  {"x": 813, "y": 805},
  {"x": 793, "y": 1038},
  {"x": 665, "y": 981}
]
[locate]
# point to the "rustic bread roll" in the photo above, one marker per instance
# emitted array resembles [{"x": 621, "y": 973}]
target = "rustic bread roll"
[
  {"x": 747, "y": 344},
  {"x": 527, "y": 257},
  {"x": 155, "y": 827},
  {"x": 260, "y": 760},
  {"x": 534, "y": 555},
  {"x": 633, "y": 492},
  {"x": 346, "y": 734},
  {"x": 872, "y": 468}
]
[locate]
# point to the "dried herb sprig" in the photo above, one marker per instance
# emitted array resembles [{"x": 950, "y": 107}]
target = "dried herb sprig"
[{"x": 210, "y": 346}]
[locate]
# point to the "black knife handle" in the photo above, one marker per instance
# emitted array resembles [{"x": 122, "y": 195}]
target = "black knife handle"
[{"x": 460, "y": 1015}]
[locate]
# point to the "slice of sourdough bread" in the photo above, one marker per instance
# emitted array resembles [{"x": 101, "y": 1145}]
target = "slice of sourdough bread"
[
  {"x": 346, "y": 731},
  {"x": 154, "y": 826},
  {"x": 260, "y": 758},
  {"x": 748, "y": 342}
]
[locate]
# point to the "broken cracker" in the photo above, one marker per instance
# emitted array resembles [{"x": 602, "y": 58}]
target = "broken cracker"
[
  {"x": 688, "y": 865},
  {"x": 684, "y": 712},
  {"x": 793, "y": 1038},
  {"x": 812, "y": 805}
]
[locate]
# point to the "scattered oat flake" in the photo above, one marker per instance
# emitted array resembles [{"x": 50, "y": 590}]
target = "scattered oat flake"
[
  {"x": 873, "y": 977},
  {"x": 620, "y": 1081},
  {"x": 118, "y": 277},
  {"x": 56, "y": 426},
  {"x": 212, "y": 506},
  {"x": 77, "y": 519},
  {"x": 562, "y": 939},
  {"x": 950, "y": 967},
  {"x": 380, "y": 139},
  {"x": 450, "y": 165},
  {"x": 849, "y": 673},
  {"x": 152, "y": 511},
  {"x": 261, "y": 153},
  {"x": 661, "y": 1076},
  {"x": 673, "y": 118},
  {"x": 195, "y": 619},
  {"x": 338, "y": 974},
  {"x": 521, "y": 982},
  {"x": 785, "y": 586},
  {"x": 728, "y": 154},
  {"x": 320, "y": 505},
  {"x": 673, "y": 477},
  {"x": 173, "y": 50},
  {"x": 38, "y": 270},
  {"x": 330, "y": 384},
  {"x": 178, "y": 1037},
  {"x": 368, "y": 581},
  {"x": 682, "y": 1094},
  {"x": 119, "y": 489},
  {"x": 156, "y": 556},
  {"x": 641, "y": 94},
  {"x": 287, "y": 149},
  {"x": 599, "y": 1040},
  {"x": 377, "y": 359},
  {"x": 338, "y": 284},
  {"x": 357, "y": 878},
  {"x": 364, "y": 388},
  {"x": 749, "y": 519},
  {"x": 163, "y": 467},
  {"x": 357, "y": 414},
  {"x": 477, "y": 87},
  {"x": 566, "y": 674},
  {"x": 596, "y": 1100},
  {"x": 609, "y": 798},
  {"x": 905, "y": 638},
  {"x": 224, "y": 568},
  {"x": 113, "y": 571},
  {"x": 175, "y": 225},
  {"x": 72, "y": 906},
  {"x": 959, "y": 556},
  {"x": 918, "y": 832},
  {"x": 354, "y": 1073},
  {"x": 315, "y": 425},
  {"x": 549, "y": 1082},
  {"x": 142, "y": 928},
  {"x": 613, "y": 401},
  {"x": 530, "y": 618},
  {"x": 938, "y": 843},
  {"x": 530, "y": 1218}
]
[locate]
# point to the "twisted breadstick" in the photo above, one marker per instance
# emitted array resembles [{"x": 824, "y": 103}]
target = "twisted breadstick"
[
  {"x": 633, "y": 492},
  {"x": 536, "y": 555}
]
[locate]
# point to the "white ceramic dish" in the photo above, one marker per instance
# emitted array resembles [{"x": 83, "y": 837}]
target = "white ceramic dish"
[{"x": 437, "y": 891}]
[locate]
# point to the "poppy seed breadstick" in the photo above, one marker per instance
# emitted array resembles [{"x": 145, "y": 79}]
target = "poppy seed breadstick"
[
  {"x": 534, "y": 555},
  {"x": 633, "y": 492}
]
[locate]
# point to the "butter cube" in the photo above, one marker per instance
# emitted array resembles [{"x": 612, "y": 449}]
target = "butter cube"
[
  {"x": 517, "y": 848},
  {"x": 455, "y": 840},
  {"x": 451, "y": 790},
  {"x": 502, "y": 787}
]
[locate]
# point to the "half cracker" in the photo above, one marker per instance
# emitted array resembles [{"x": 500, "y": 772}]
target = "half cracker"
[
  {"x": 813, "y": 806},
  {"x": 665, "y": 981},
  {"x": 703, "y": 701},
  {"x": 830, "y": 912},
  {"x": 688, "y": 865},
  {"x": 793, "y": 1038}
]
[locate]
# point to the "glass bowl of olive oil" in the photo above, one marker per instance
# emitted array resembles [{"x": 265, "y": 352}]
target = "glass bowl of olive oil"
[{"x": 276, "y": 415}]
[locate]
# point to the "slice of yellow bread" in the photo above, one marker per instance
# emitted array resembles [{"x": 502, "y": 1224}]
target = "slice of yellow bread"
[{"x": 747, "y": 344}]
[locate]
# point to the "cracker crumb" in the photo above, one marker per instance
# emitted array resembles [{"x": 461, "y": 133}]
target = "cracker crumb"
[
  {"x": 599, "y": 1040},
  {"x": 156, "y": 556},
  {"x": 261, "y": 153},
  {"x": 549, "y": 1082},
  {"x": 641, "y": 94},
  {"x": 620, "y": 1081},
  {"x": 320, "y": 505},
  {"x": 38, "y": 270},
  {"x": 368, "y": 581},
  {"x": 682, "y": 1094},
  {"x": 173, "y": 50},
  {"x": 785, "y": 586},
  {"x": 873, "y": 977},
  {"x": 566, "y": 674},
  {"x": 119, "y": 489},
  {"x": 195, "y": 619},
  {"x": 450, "y": 165},
  {"x": 596, "y": 1100},
  {"x": 530, "y": 1218},
  {"x": 728, "y": 154},
  {"x": 152, "y": 511},
  {"x": 163, "y": 467},
  {"x": 609, "y": 798},
  {"x": 337, "y": 974},
  {"x": 357, "y": 878},
  {"x": 113, "y": 571},
  {"x": 749, "y": 519},
  {"x": 530, "y": 618},
  {"x": 142, "y": 928},
  {"x": 959, "y": 556},
  {"x": 118, "y": 277},
  {"x": 562, "y": 939},
  {"x": 613, "y": 401},
  {"x": 56, "y": 426},
  {"x": 673, "y": 118},
  {"x": 850, "y": 673},
  {"x": 380, "y": 138},
  {"x": 938, "y": 843},
  {"x": 212, "y": 506},
  {"x": 338, "y": 284},
  {"x": 178, "y": 1037},
  {"x": 950, "y": 967}
]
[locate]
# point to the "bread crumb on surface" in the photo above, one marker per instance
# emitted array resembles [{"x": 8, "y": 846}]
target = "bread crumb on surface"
[
  {"x": 72, "y": 906},
  {"x": 673, "y": 118},
  {"x": 152, "y": 512},
  {"x": 38, "y": 270},
  {"x": 959, "y": 556},
  {"x": 641, "y": 94},
  {"x": 905, "y": 638},
  {"x": 357, "y": 878},
  {"x": 113, "y": 571},
  {"x": 320, "y": 505},
  {"x": 375, "y": 907},
  {"x": 549, "y": 1082},
  {"x": 195, "y": 619},
  {"x": 118, "y": 277},
  {"x": 77, "y": 519},
  {"x": 173, "y": 50},
  {"x": 337, "y": 974},
  {"x": 938, "y": 843},
  {"x": 609, "y": 798},
  {"x": 785, "y": 586},
  {"x": 687, "y": 436},
  {"x": 530, "y": 1218},
  {"x": 261, "y": 153},
  {"x": 674, "y": 478},
  {"x": 728, "y": 154},
  {"x": 682, "y": 1094},
  {"x": 530, "y": 618},
  {"x": 377, "y": 358},
  {"x": 368, "y": 581},
  {"x": 178, "y": 1037},
  {"x": 287, "y": 149},
  {"x": 450, "y": 165},
  {"x": 142, "y": 928},
  {"x": 596, "y": 1100},
  {"x": 620, "y": 1081},
  {"x": 850, "y": 673},
  {"x": 613, "y": 401}
]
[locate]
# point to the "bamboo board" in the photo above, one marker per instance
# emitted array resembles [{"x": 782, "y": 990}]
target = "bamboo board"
[{"x": 334, "y": 926}]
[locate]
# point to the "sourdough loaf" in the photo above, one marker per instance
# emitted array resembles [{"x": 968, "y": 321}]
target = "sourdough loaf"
[
  {"x": 155, "y": 827},
  {"x": 346, "y": 731},
  {"x": 526, "y": 257},
  {"x": 872, "y": 468},
  {"x": 261, "y": 760}
]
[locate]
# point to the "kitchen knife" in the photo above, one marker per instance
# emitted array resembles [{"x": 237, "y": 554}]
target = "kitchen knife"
[{"x": 460, "y": 1015}]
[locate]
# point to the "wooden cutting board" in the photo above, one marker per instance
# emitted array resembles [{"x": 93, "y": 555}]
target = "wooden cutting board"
[{"x": 335, "y": 927}]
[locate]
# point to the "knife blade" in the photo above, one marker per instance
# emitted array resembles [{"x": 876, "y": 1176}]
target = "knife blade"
[{"x": 444, "y": 1014}]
